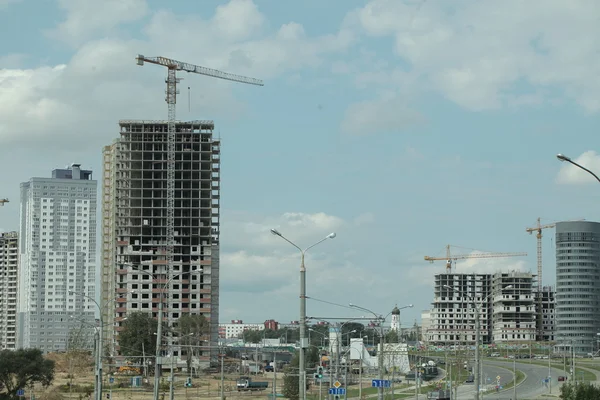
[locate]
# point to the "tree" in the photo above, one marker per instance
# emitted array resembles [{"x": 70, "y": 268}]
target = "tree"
[
  {"x": 391, "y": 336},
  {"x": 581, "y": 391},
  {"x": 21, "y": 368},
  {"x": 79, "y": 343},
  {"x": 138, "y": 336},
  {"x": 193, "y": 329},
  {"x": 290, "y": 379}
]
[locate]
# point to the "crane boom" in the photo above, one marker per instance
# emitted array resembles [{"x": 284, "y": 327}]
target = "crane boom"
[
  {"x": 449, "y": 257},
  {"x": 171, "y": 98},
  {"x": 197, "y": 69},
  {"x": 2, "y": 201}
]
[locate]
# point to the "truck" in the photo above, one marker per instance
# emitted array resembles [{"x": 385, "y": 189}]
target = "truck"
[{"x": 245, "y": 383}]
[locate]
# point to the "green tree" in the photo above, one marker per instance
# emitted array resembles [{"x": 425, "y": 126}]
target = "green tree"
[
  {"x": 193, "y": 329},
  {"x": 290, "y": 379},
  {"x": 21, "y": 368},
  {"x": 138, "y": 336},
  {"x": 391, "y": 337},
  {"x": 79, "y": 344},
  {"x": 581, "y": 391}
]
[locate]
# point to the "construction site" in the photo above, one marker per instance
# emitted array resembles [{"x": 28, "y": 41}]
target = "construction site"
[{"x": 135, "y": 224}]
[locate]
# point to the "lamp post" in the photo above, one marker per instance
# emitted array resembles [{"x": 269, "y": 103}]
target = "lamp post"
[
  {"x": 303, "y": 344},
  {"x": 476, "y": 369},
  {"x": 157, "y": 361},
  {"x": 99, "y": 345},
  {"x": 379, "y": 318},
  {"x": 562, "y": 158}
]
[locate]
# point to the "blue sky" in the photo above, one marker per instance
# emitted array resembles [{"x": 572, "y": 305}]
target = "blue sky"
[{"x": 401, "y": 125}]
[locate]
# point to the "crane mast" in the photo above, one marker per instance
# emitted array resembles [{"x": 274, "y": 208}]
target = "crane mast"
[{"x": 171, "y": 98}]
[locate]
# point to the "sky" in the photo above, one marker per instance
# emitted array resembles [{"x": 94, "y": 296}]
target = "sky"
[{"x": 402, "y": 126}]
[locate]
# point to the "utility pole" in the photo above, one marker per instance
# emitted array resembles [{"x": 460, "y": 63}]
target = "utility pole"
[{"x": 222, "y": 374}]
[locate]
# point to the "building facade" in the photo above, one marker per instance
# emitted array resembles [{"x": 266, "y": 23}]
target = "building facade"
[
  {"x": 57, "y": 255},
  {"x": 236, "y": 329},
  {"x": 452, "y": 318},
  {"x": 577, "y": 285},
  {"x": 134, "y": 225},
  {"x": 513, "y": 315},
  {"x": 548, "y": 303},
  {"x": 9, "y": 264}
]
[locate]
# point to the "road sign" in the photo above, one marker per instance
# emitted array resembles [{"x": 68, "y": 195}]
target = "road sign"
[
  {"x": 380, "y": 383},
  {"x": 337, "y": 391},
  {"x": 337, "y": 384},
  {"x": 111, "y": 380},
  {"x": 20, "y": 392},
  {"x": 498, "y": 378}
]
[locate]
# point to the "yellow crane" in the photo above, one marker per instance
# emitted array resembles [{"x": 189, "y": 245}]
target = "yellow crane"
[
  {"x": 2, "y": 201},
  {"x": 449, "y": 257}
]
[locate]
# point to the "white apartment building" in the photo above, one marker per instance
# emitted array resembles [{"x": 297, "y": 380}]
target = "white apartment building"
[
  {"x": 57, "y": 251},
  {"x": 236, "y": 329},
  {"x": 513, "y": 318},
  {"x": 9, "y": 263}
]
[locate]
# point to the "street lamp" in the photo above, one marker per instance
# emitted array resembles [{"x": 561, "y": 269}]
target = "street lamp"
[
  {"x": 379, "y": 318},
  {"x": 303, "y": 344},
  {"x": 563, "y": 158},
  {"x": 100, "y": 345},
  {"x": 157, "y": 363},
  {"x": 477, "y": 333}
]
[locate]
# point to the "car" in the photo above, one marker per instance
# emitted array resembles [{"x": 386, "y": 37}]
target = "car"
[
  {"x": 470, "y": 379},
  {"x": 562, "y": 378}
]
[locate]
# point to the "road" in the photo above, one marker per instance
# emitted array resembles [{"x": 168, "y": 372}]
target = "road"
[{"x": 530, "y": 388}]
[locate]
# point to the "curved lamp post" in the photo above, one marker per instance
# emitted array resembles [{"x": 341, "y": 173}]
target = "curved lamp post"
[
  {"x": 477, "y": 371},
  {"x": 563, "y": 158},
  {"x": 157, "y": 363},
  {"x": 303, "y": 344}
]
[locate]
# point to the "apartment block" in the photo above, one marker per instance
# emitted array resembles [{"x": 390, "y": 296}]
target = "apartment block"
[
  {"x": 57, "y": 256},
  {"x": 236, "y": 329},
  {"x": 134, "y": 225},
  {"x": 513, "y": 315},
  {"x": 9, "y": 263},
  {"x": 452, "y": 318},
  {"x": 548, "y": 303}
]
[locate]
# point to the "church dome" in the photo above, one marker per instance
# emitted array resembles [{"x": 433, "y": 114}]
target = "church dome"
[{"x": 396, "y": 311}]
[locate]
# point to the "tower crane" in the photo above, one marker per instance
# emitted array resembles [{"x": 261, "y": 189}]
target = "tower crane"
[
  {"x": 171, "y": 98},
  {"x": 449, "y": 257},
  {"x": 2, "y": 201}
]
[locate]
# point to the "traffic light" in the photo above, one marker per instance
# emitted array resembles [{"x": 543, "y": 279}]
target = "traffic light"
[
  {"x": 320, "y": 372},
  {"x": 188, "y": 382}
]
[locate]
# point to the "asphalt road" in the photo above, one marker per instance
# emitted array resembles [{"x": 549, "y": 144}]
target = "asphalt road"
[{"x": 532, "y": 386}]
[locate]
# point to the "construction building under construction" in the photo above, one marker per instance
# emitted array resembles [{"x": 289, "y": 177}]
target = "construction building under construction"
[
  {"x": 135, "y": 269},
  {"x": 505, "y": 301},
  {"x": 9, "y": 263},
  {"x": 513, "y": 314}
]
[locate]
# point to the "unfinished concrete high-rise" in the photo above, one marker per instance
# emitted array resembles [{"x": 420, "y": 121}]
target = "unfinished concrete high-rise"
[
  {"x": 9, "y": 263},
  {"x": 513, "y": 315},
  {"x": 134, "y": 227}
]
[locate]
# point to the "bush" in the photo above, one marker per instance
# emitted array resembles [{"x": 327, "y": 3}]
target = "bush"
[{"x": 579, "y": 391}]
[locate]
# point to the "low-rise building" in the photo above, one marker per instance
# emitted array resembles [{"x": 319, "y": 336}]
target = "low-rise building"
[{"x": 236, "y": 329}]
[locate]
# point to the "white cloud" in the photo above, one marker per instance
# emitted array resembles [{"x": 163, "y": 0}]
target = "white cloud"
[
  {"x": 477, "y": 53},
  {"x": 364, "y": 219},
  {"x": 570, "y": 174},
  {"x": 87, "y": 18},
  {"x": 382, "y": 115},
  {"x": 101, "y": 83}
]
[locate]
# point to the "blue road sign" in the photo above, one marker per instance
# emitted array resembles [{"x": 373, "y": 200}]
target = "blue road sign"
[
  {"x": 337, "y": 391},
  {"x": 21, "y": 392},
  {"x": 380, "y": 383},
  {"x": 111, "y": 380}
]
